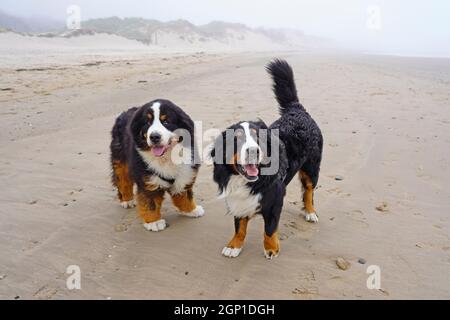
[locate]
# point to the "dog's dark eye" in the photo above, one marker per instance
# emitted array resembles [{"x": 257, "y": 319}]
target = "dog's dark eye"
[{"x": 165, "y": 122}]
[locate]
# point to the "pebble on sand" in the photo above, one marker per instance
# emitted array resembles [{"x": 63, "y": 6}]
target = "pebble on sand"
[
  {"x": 338, "y": 178},
  {"x": 361, "y": 260},
  {"x": 342, "y": 263},
  {"x": 383, "y": 207},
  {"x": 120, "y": 227}
]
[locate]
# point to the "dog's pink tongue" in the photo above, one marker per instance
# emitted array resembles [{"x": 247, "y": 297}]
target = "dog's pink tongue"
[
  {"x": 157, "y": 151},
  {"x": 251, "y": 170}
]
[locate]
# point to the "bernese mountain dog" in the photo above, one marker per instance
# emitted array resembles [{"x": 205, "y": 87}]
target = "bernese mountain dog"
[
  {"x": 154, "y": 147},
  {"x": 253, "y": 163}
]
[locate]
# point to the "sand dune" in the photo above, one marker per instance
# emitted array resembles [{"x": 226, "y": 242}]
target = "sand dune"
[
  {"x": 72, "y": 45},
  {"x": 385, "y": 122},
  {"x": 21, "y": 51}
]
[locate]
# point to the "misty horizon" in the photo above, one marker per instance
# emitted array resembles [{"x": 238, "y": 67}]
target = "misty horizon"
[{"x": 403, "y": 27}]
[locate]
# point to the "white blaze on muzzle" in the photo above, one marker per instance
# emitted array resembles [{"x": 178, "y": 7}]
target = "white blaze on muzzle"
[
  {"x": 157, "y": 127},
  {"x": 250, "y": 146}
]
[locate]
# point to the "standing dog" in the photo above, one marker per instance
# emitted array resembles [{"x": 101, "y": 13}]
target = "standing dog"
[
  {"x": 144, "y": 144},
  {"x": 239, "y": 174}
]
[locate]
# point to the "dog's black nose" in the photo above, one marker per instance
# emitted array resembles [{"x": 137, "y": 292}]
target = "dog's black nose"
[{"x": 155, "y": 137}]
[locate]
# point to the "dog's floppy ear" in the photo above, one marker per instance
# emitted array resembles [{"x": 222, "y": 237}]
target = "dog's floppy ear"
[
  {"x": 184, "y": 121},
  {"x": 282, "y": 158},
  {"x": 135, "y": 127},
  {"x": 222, "y": 171},
  {"x": 275, "y": 161}
]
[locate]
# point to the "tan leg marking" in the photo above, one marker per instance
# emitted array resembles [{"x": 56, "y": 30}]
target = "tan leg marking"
[
  {"x": 271, "y": 245},
  {"x": 308, "y": 192},
  {"x": 234, "y": 247},
  {"x": 308, "y": 195},
  {"x": 149, "y": 205},
  {"x": 239, "y": 236},
  {"x": 122, "y": 181},
  {"x": 184, "y": 201}
]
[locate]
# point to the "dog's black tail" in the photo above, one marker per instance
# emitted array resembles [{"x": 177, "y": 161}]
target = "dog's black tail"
[{"x": 283, "y": 85}]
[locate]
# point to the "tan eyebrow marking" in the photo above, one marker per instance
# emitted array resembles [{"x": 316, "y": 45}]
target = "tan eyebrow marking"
[
  {"x": 150, "y": 116},
  {"x": 253, "y": 129},
  {"x": 163, "y": 117}
]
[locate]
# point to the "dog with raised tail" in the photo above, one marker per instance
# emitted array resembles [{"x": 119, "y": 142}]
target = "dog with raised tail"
[{"x": 245, "y": 152}]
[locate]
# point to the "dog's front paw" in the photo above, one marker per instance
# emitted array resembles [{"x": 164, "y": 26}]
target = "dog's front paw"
[
  {"x": 128, "y": 204},
  {"x": 312, "y": 217},
  {"x": 156, "y": 225},
  {"x": 271, "y": 246},
  {"x": 270, "y": 254},
  {"x": 196, "y": 213},
  {"x": 231, "y": 252}
]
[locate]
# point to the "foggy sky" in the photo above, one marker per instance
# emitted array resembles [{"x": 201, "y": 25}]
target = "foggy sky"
[{"x": 414, "y": 27}]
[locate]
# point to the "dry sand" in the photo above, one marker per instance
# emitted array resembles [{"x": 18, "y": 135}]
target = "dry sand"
[{"x": 386, "y": 124}]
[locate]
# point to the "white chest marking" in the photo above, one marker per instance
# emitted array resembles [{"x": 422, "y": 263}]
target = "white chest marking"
[
  {"x": 182, "y": 174},
  {"x": 240, "y": 203}
]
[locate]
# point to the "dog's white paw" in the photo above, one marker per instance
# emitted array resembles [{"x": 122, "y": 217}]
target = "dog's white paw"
[
  {"x": 312, "y": 217},
  {"x": 231, "y": 252},
  {"x": 128, "y": 204},
  {"x": 156, "y": 225},
  {"x": 270, "y": 254},
  {"x": 196, "y": 213}
]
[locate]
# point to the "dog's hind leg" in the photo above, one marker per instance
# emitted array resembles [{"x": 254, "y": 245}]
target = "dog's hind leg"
[
  {"x": 121, "y": 179},
  {"x": 308, "y": 197}
]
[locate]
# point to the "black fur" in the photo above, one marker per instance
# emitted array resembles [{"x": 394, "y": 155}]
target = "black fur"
[
  {"x": 283, "y": 84},
  {"x": 300, "y": 148},
  {"x": 299, "y": 132}
]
